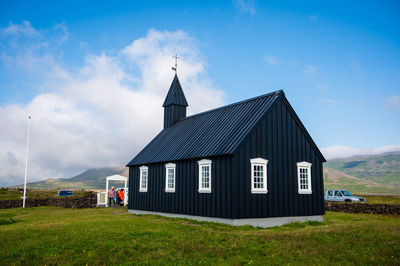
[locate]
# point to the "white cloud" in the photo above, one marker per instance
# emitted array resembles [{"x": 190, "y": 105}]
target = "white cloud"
[
  {"x": 346, "y": 151},
  {"x": 272, "y": 60},
  {"x": 21, "y": 29},
  {"x": 63, "y": 30},
  {"x": 101, "y": 113},
  {"x": 309, "y": 69},
  {"x": 245, "y": 6},
  {"x": 393, "y": 103}
]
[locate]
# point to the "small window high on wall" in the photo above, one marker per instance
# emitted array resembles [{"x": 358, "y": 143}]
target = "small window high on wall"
[
  {"x": 259, "y": 175},
  {"x": 205, "y": 176},
  {"x": 144, "y": 175},
  {"x": 304, "y": 177}
]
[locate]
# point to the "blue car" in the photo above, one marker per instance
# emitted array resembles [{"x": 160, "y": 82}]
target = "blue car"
[{"x": 65, "y": 193}]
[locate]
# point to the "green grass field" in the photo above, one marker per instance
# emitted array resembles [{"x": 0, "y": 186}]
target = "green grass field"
[
  {"x": 375, "y": 199},
  {"x": 49, "y": 235}
]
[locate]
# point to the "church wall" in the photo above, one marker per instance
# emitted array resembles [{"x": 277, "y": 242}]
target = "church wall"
[
  {"x": 186, "y": 199},
  {"x": 278, "y": 138}
]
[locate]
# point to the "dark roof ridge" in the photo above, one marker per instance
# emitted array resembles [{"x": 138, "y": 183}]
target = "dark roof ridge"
[
  {"x": 203, "y": 135},
  {"x": 232, "y": 104}
]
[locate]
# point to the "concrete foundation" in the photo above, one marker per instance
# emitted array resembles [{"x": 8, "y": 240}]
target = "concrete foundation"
[{"x": 257, "y": 222}]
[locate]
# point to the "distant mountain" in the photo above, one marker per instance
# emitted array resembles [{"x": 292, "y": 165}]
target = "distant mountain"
[
  {"x": 94, "y": 178},
  {"x": 366, "y": 173},
  {"x": 334, "y": 179}
]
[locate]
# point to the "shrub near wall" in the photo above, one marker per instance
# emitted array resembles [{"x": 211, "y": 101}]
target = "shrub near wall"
[
  {"x": 362, "y": 208},
  {"x": 87, "y": 201}
]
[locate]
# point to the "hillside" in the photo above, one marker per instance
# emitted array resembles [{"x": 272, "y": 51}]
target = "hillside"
[
  {"x": 94, "y": 178},
  {"x": 334, "y": 179},
  {"x": 382, "y": 169}
]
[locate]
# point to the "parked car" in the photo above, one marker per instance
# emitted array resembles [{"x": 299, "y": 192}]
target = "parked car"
[
  {"x": 341, "y": 195},
  {"x": 65, "y": 193}
]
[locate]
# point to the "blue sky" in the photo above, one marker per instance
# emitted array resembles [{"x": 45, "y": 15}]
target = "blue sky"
[{"x": 337, "y": 61}]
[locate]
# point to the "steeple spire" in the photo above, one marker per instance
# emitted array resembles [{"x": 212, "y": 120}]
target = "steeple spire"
[
  {"x": 175, "y": 104},
  {"x": 175, "y": 94}
]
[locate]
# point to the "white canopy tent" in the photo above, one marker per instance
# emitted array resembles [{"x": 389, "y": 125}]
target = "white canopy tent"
[{"x": 117, "y": 178}]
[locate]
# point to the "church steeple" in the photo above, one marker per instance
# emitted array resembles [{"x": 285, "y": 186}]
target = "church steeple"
[{"x": 175, "y": 103}]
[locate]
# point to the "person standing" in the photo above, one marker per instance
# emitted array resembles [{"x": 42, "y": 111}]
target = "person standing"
[
  {"x": 118, "y": 201},
  {"x": 121, "y": 196},
  {"x": 111, "y": 196}
]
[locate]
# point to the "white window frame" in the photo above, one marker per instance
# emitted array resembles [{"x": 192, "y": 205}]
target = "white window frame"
[
  {"x": 205, "y": 162},
  {"x": 304, "y": 165},
  {"x": 170, "y": 166},
  {"x": 143, "y": 169},
  {"x": 263, "y": 163}
]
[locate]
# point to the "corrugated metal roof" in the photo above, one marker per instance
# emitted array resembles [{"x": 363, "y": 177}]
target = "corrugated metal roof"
[
  {"x": 215, "y": 132},
  {"x": 175, "y": 94}
]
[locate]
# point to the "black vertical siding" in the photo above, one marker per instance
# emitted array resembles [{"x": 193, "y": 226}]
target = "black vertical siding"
[
  {"x": 279, "y": 139},
  {"x": 172, "y": 113},
  {"x": 186, "y": 199}
]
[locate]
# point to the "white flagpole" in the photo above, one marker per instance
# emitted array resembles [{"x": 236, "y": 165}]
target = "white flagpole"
[{"x": 26, "y": 162}]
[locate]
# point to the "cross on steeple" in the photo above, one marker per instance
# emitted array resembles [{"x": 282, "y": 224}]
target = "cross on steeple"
[{"x": 176, "y": 63}]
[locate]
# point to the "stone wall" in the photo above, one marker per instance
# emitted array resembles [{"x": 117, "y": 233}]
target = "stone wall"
[
  {"x": 87, "y": 201},
  {"x": 362, "y": 208}
]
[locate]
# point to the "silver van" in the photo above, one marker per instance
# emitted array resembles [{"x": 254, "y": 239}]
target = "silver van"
[{"x": 341, "y": 195}]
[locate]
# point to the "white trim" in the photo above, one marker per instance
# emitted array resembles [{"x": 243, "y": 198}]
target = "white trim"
[
  {"x": 141, "y": 170},
  {"x": 259, "y": 160},
  {"x": 263, "y": 163},
  {"x": 304, "y": 165},
  {"x": 169, "y": 166},
  {"x": 257, "y": 222},
  {"x": 205, "y": 162}
]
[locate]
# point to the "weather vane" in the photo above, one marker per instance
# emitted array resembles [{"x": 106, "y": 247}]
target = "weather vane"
[{"x": 176, "y": 63}]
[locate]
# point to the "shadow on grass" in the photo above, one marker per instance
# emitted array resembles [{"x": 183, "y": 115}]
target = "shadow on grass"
[
  {"x": 227, "y": 227},
  {"x": 5, "y": 221},
  {"x": 296, "y": 225}
]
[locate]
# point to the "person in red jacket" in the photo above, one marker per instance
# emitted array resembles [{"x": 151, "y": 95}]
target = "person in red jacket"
[{"x": 121, "y": 196}]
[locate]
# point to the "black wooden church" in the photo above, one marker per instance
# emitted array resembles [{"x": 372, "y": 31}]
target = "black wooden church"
[{"x": 251, "y": 162}]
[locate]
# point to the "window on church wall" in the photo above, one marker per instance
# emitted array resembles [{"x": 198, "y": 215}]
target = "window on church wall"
[
  {"x": 259, "y": 175},
  {"x": 170, "y": 169},
  {"x": 205, "y": 176},
  {"x": 143, "y": 179},
  {"x": 304, "y": 177}
]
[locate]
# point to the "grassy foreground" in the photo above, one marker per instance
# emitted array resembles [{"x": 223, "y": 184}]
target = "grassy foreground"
[{"x": 48, "y": 235}]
